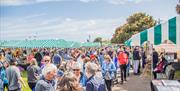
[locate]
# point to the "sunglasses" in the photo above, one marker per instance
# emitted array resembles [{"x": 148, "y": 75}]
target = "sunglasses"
[
  {"x": 46, "y": 60},
  {"x": 76, "y": 69}
]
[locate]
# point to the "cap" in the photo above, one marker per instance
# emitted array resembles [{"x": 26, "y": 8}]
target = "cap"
[{"x": 60, "y": 73}]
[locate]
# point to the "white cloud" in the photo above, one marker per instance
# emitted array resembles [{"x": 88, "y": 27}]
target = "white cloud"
[
  {"x": 24, "y": 2},
  {"x": 67, "y": 28},
  {"x": 86, "y": 1},
  {"x": 118, "y": 2},
  {"x": 14, "y": 2}
]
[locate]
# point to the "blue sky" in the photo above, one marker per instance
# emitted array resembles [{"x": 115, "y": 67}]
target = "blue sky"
[{"x": 74, "y": 19}]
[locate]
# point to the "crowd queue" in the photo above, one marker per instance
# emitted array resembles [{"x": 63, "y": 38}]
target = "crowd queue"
[{"x": 78, "y": 69}]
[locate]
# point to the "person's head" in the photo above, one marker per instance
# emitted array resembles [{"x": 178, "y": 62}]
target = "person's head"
[
  {"x": 87, "y": 59},
  {"x": 69, "y": 83},
  {"x": 76, "y": 68},
  {"x": 49, "y": 71},
  {"x": 6, "y": 64},
  {"x": 60, "y": 74},
  {"x": 90, "y": 69},
  {"x": 107, "y": 58},
  {"x": 1, "y": 55},
  {"x": 33, "y": 62},
  {"x": 136, "y": 48},
  {"x": 9, "y": 52},
  {"x": 46, "y": 59},
  {"x": 13, "y": 61}
]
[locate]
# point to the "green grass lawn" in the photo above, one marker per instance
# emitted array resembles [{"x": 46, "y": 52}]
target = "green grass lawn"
[
  {"x": 177, "y": 74},
  {"x": 24, "y": 76}
]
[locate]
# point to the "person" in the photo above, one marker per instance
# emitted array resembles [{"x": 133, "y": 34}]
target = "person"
[
  {"x": 14, "y": 77},
  {"x": 29, "y": 57},
  {"x": 155, "y": 58},
  {"x": 60, "y": 74},
  {"x": 38, "y": 57},
  {"x": 46, "y": 60},
  {"x": 123, "y": 61},
  {"x": 3, "y": 67},
  {"x": 69, "y": 82},
  {"x": 47, "y": 81},
  {"x": 9, "y": 56},
  {"x": 108, "y": 70},
  {"x": 136, "y": 58},
  {"x": 1, "y": 78},
  {"x": 143, "y": 55},
  {"x": 160, "y": 66},
  {"x": 57, "y": 59},
  {"x": 101, "y": 58},
  {"x": 94, "y": 83},
  {"x": 78, "y": 74},
  {"x": 126, "y": 50},
  {"x": 33, "y": 73}
]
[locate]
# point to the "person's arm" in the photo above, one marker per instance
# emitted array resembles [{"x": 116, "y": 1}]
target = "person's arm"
[
  {"x": 113, "y": 68},
  {"x": 103, "y": 69},
  {"x": 20, "y": 78},
  {"x": 22, "y": 81}
]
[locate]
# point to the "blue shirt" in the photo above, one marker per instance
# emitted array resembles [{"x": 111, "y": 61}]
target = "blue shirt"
[
  {"x": 83, "y": 80},
  {"x": 57, "y": 59},
  {"x": 3, "y": 75},
  {"x": 108, "y": 67}
]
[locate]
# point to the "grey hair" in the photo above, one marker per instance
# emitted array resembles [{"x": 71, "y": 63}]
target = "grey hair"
[
  {"x": 91, "y": 68},
  {"x": 48, "y": 68}
]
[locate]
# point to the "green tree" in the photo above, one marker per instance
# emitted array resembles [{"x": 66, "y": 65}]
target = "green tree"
[
  {"x": 178, "y": 8},
  {"x": 135, "y": 24},
  {"x": 98, "y": 39}
]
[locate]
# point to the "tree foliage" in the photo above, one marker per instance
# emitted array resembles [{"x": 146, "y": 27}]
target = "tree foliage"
[
  {"x": 98, "y": 39},
  {"x": 134, "y": 24}
]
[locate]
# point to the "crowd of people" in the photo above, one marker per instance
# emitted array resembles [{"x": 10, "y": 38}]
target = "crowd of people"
[{"x": 78, "y": 69}]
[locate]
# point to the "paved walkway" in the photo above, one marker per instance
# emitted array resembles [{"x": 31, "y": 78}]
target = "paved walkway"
[{"x": 134, "y": 83}]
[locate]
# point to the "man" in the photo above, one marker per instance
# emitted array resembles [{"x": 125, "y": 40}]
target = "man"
[
  {"x": 14, "y": 77},
  {"x": 136, "y": 58},
  {"x": 155, "y": 58},
  {"x": 47, "y": 82},
  {"x": 57, "y": 59},
  {"x": 123, "y": 61},
  {"x": 94, "y": 83}
]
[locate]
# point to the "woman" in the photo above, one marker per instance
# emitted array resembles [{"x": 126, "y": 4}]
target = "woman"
[
  {"x": 69, "y": 83},
  {"x": 79, "y": 75},
  {"x": 94, "y": 83},
  {"x": 33, "y": 73},
  {"x": 160, "y": 66},
  {"x": 4, "y": 64},
  {"x": 108, "y": 70}
]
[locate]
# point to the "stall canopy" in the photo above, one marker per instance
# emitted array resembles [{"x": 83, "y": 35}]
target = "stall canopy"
[
  {"x": 46, "y": 44},
  {"x": 170, "y": 30}
]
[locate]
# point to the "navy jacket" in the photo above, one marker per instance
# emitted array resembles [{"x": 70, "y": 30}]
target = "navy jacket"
[
  {"x": 136, "y": 55},
  {"x": 95, "y": 84}
]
